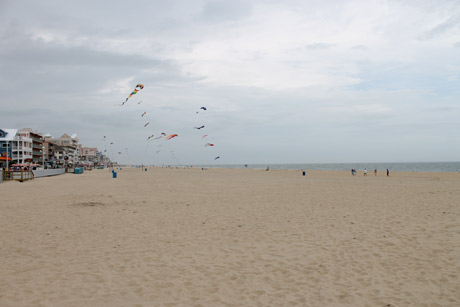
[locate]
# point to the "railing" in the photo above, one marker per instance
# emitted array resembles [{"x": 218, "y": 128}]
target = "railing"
[
  {"x": 18, "y": 175},
  {"x": 28, "y": 149}
]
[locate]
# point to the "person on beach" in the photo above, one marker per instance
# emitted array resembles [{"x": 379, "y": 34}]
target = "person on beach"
[
  {"x": 375, "y": 172},
  {"x": 365, "y": 172},
  {"x": 388, "y": 172}
]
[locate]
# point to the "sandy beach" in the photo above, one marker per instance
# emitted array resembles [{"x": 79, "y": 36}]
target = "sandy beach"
[{"x": 231, "y": 237}]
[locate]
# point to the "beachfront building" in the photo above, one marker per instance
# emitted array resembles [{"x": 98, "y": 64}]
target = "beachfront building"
[
  {"x": 103, "y": 160},
  {"x": 6, "y": 145},
  {"x": 28, "y": 147},
  {"x": 67, "y": 149},
  {"x": 22, "y": 148},
  {"x": 88, "y": 155}
]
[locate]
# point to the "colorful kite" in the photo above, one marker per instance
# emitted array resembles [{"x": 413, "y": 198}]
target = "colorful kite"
[
  {"x": 136, "y": 89},
  {"x": 150, "y": 137},
  {"x": 171, "y": 136},
  {"x": 208, "y": 144},
  {"x": 143, "y": 114}
]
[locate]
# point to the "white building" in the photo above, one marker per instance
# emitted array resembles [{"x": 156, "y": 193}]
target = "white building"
[{"x": 22, "y": 147}]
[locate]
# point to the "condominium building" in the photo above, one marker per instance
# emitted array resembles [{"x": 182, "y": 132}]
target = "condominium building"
[
  {"x": 66, "y": 148},
  {"x": 28, "y": 147},
  {"x": 6, "y": 145}
]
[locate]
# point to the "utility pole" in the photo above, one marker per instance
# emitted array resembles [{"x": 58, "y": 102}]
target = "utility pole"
[
  {"x": 43, "y": 156},
  {"x": 7, "y": 154}
]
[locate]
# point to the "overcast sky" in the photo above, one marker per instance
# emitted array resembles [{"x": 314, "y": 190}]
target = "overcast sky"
[{"x": 283, "y": 81}]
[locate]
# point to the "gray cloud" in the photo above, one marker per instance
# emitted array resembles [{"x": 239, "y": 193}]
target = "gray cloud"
[
  {"x": 320, "y": 46},
  {"x": 225, "y": 10},
  {"x": 451, "y": 23},
  {"x": 63, "y": 68}
]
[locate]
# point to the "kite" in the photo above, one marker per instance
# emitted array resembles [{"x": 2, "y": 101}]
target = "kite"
[
  {"x": 146, "y": 125},
  {"x": 139, "y": 102},
  {"x": 119, "y": 153},
  {"x": 216, "y": 158},
  {"x": 150, "y": 137},
  {"x": 163, "y": 134},
  {"x": 136, "y": 89},
  {"x": 202, "y": 108},
  {"x": 201, "y": 127},
  {"x": 204, "y": 136},
  {"x": 143, "y": 114},
  {"x": 208, "y": 144},
  {"x": 171, "y": 136}
]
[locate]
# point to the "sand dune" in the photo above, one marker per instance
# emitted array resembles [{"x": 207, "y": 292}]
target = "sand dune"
[{"x": 226, "y": 237}]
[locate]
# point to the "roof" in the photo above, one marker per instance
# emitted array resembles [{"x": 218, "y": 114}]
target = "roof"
[{"x": 10, "y": 134}]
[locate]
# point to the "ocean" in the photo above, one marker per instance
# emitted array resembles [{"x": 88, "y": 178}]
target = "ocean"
[{"x": 381, "y": 166}]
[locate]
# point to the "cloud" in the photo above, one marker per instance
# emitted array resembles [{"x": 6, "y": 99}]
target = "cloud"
[
  {"x": 320, "y": 46},
  {"x": 217, "y": 11},
  {"x": 450, "y": 24},
  {"x": 283, "y": 81}
]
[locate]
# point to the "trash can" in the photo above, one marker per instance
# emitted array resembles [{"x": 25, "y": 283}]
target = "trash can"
[{"x": 114, "y": 174}]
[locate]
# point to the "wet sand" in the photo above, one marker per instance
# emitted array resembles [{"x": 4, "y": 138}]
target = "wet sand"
[{"x": 226, "y": 237}]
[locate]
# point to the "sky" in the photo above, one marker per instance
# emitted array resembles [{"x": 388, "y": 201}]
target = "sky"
[{"x": 283, "y": 81}]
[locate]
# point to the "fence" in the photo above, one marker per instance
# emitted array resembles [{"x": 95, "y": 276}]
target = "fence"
[{"x": 18, "y": 175}]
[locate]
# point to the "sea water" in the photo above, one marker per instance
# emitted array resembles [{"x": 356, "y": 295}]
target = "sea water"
[{"x": 392, "y": 166}]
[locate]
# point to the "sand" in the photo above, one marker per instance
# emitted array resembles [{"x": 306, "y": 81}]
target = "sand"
[{"x": 223, "y": 237}]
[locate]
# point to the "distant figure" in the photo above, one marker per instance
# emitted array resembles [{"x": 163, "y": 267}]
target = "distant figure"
[
  {"x": 303, "y": 173},
  {"x": 388, "y": 172},
  {"x": 375, "y": 172},
  {"x": 268, "y": 168},
  {"x": 365, "y": 172}
]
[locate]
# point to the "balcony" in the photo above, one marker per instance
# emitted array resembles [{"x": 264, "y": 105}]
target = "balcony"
[
  {"x": 20, "y": 157},
  {"x": 22, "y": 138},
  {"x": 27, "y": 149}
]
